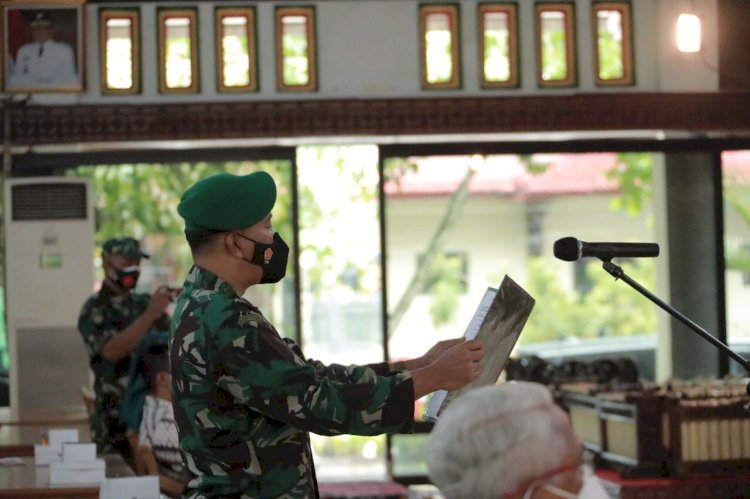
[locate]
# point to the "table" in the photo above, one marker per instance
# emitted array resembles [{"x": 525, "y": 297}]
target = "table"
[
  {"x": 18, "y": 439},
  {"x": 361, "y": 490},
  {"x": 731, "y": 484},
  {"x": 29, "y": 480}
]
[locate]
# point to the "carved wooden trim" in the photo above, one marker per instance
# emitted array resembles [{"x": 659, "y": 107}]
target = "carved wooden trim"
[{"x": 714, "y": 112}]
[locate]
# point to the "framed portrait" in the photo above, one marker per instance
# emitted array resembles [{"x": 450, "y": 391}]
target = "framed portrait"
[{"x": 43, "y": 46}]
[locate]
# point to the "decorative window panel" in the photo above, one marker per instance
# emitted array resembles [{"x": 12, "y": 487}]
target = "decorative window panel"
[
  {"x": 613, "y": 42},
  {"x": 119, "y": 42},
  {"x": 178, "y": 51},
  {"x": 296, "y": 66},
  {"x": 236, "y": 50},
  {"x": 555, "y": 39},
  {"x": 440, "y": 66},
  {"x": 498, "y": 43}
]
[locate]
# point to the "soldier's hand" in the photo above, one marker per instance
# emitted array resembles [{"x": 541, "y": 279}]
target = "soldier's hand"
[
  {"x": 160, "y": 300},
  {"x": 438, "y": 349},
  {"x": 459, "y": 365}
]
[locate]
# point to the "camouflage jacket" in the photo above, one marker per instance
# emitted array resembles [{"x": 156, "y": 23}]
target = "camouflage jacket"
[
  {"x": 245, "y": 398},
  {"x": 102, "y": 317}
]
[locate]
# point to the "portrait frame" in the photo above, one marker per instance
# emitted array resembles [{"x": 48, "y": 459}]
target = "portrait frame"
[{"x": 43, "y": 46}]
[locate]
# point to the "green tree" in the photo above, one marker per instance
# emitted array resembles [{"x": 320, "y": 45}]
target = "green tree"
[{"x": 141, "y": 200}]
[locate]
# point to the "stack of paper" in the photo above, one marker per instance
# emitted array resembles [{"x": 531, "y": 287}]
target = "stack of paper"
[
  {"x": 79, "y": 464},
  {"x": 45, "y": 454},
  {"x": 142, "y": 487},
  {"x": 497, "y": 323}
]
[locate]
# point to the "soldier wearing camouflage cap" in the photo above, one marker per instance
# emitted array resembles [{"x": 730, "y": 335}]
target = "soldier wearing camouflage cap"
[
  {"x": 244, "y": 397},
  {"x": 112, "y": 322}
]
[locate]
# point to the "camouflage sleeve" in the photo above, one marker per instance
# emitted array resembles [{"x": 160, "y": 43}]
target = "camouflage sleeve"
[
  {"x": 261, "y": 371},
  {"x": 90, "y": 329},
  {"x": 337, "y": 371}
]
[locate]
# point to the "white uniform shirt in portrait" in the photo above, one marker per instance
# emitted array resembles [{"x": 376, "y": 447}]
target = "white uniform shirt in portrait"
[{"x": 50, "y": 64}]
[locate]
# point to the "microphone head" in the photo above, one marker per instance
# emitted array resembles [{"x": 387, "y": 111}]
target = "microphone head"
[{"x": 566, "y": 249}]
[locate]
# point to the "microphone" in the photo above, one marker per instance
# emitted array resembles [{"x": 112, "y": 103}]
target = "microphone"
[{"x": 571, "y": 249}]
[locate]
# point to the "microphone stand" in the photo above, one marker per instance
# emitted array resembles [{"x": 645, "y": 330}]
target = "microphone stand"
[{"x": 617, "y": 272}]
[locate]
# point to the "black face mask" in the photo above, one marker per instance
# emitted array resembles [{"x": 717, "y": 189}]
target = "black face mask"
[
  {"x": 127, "y": 278},
  {"x": 272, "y": 258}
]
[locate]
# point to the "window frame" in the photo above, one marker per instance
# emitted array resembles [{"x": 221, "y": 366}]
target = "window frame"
[
  {"x": 220, "y": 12},
  {"x": 511, "y": 9},
  {"x": 163, "y": 14},
  {"x": 568, "y": 9},
  {"x": 453, "y": 13},
  {"x": 134, "y": 16},
  {"x": 628, "y": 77},
  {"x": 312, "y": 63}
]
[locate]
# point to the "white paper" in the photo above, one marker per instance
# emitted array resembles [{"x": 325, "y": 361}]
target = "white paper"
[
  {"x": 44, "y": 454},
  {"x": 142, "y": 487},
  {"x": 78, "y": 453},
  {"x": 436, "y": 401},
  {"x": 77, "y": 473},
  {"x": 59, "y": 436}
]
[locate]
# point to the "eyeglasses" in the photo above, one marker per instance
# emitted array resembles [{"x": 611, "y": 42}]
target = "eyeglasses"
[{"x": 586, "y": 459}]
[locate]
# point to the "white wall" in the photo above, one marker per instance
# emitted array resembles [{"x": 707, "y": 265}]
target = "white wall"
[{"x": 369, "y": 49}]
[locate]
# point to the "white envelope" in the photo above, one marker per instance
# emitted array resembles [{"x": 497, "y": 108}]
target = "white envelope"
[
  {"x": 77, "y": 473},
  {"x": 78, "y": 453},
  {"x": 142, "y": 487},
  {"x": 44, "y": 455},
  {"x": 59, "y": 436}
]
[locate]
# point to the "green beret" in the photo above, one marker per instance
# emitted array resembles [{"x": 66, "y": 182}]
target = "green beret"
[
  {"x": 228, "y": 202},
  {"x": 125, "y": 246}
]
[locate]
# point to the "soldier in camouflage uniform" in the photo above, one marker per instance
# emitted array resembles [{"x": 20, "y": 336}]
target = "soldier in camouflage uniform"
[
  {"x": 112, "y": 322},
  {"x": 244, "y": 397}
]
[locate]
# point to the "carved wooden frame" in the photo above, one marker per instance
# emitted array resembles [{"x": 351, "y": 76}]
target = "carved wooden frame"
[
  {"x": 252, "y": 48},
  {"x": 624, "y": 8},
  {"x": 568, "y": 11},
  {"x": 511, "y": 11},
  {"x": 163, "y": 15},
  {"x": 452, "y": 11},
  {"x": 132, "y": 15},
  {"x": 308, "y": 13}
]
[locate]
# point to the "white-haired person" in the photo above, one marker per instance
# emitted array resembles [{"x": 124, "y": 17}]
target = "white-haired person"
[{"x": 508, "y": 441}]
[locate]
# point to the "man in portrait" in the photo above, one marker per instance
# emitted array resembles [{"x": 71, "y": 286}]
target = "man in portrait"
[{"x": 44, "y": 61}]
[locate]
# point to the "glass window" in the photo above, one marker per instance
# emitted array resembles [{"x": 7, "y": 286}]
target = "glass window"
[
  {"x": 555, "y": 45},
  {"x": 120, "y": 51},
  {"x": 341, "y": 285},
  {"x": 478, "y": 207},
  {"x": 178, "y": 51},
  {"x": 612, "y": 43},
  {"x": 439, "y": 52},
  {"x": 736, "y": 179},
  {"x": 140, "y": 200},
  {"x": 498, "y": 42},
  {"x": 236, "y": 53},
  {"x": 295, "y": 49}
]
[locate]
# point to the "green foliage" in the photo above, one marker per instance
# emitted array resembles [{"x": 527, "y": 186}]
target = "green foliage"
[
  {"x": 633, "y": 175},
  {"x": 610, "y": 56},
  {"x": 345, "y": 445},
  {"x": 532, "y": 165},
  {"x": 445, "y": 286},
  {"x": 295, "y": 64},
  {"x": 737, "y": 198},
  {"x": 614, "y": 307},
  {"x": 496, "y": 56},
  {"x": 554, "y": 56},
  {"x": 557, "y": 312},
  {"x": 141, "y": 200},
  {"x": 609, "y": 309}
]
